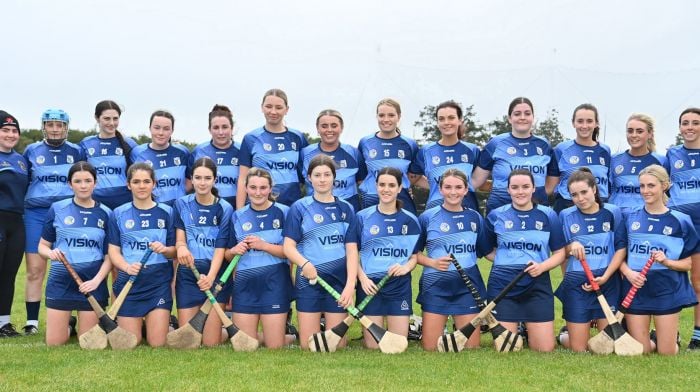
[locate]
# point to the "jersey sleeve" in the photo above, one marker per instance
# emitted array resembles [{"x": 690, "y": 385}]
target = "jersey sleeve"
[
  {"x": 177, "y": 216},
  {"x": 483, "y": 246},
  {"x": 556, "y": 234},
  {"x": 486, "y": 160},
  {"x": 352, "y": 235},
  {"x": 113, "y": 232},
  {"x": 222, "y": 239},
  {"x": 490, "y": 237},
  {"x": 418, "y": 164},
  {"x": 620, "y": 234},
  {"x": 48, "y": 232},
  {"x": 245, "y": 157},
  {"x": 692, "y": 242},
  {"x": 105, "y": 243},
  {"x": 415, "y": 152},
  {"x": 553, "y": 168},
  {"x": 170, "y": 233},
  {"x": 292, "y": 225}
]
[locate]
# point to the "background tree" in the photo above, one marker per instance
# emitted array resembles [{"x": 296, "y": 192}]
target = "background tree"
[
  {"x": 427, "y": 123},
  {"x": 29, "y": 136},
  {"x": 499, "y": 126},
  {"x": 679, "y": 139},
  {"x": 549, "y": 128},
  {"x": 311, "y": 139}
]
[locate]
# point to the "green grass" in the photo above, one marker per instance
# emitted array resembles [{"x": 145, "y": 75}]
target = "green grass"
[{"x": 27, "y": 364}]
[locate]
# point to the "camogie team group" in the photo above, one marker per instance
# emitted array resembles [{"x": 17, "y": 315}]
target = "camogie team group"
[{"x": 102, "y": 203}]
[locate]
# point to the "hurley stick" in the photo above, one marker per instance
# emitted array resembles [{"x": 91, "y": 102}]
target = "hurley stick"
[{"x": 327, "y": 341}]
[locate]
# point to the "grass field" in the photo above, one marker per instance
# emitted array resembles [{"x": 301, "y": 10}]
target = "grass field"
[{"x": 27, "y": 364}]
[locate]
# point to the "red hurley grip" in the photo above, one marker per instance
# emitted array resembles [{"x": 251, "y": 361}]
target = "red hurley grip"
[
  {"x": 589, "y": 275},
  {"x": 633, "y": 290}
]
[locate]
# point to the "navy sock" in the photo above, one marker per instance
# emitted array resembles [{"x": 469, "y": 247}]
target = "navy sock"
[
  {"x": 696, "y": 333},
  {"x": 33, "y": 310}
]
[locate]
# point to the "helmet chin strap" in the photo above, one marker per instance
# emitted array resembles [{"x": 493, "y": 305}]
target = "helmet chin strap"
[{"x": 55, "y": 142}]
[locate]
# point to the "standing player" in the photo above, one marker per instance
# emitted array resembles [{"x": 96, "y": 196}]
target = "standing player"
[
  {"x": 626, "y": 166},
  {"x": 351, "y": 167},
  {"x": 450, "y": 229},
  {"x": 523, "y": 232},
  {"x": 519, "y": 149},
  {"x": 109, "y": 152},
  {"x": 202, "y": 223},
  {"x": 275, "y": 148},
  {"x": 135, "y": 227},
  {"x": 595, "y": 231},
  {"x": 263, "y": 285},
  {"x": 76, "y": 228},
  {"x": 584, "y": 151},
  {"x": 450, "y": 152},
  {"x": 49, "y": 161},
  {"x": 320, "y": 238},
  {"x": 683, "y": 165},
  {"x": 14, "y": 178},
  {"x": 388, "y": 148},
  {"x": 222, "y": 149},
  {"x": 388, "y": 243},
  {"x": 669, "y": 236},
  {"x": 169, "y": 160}
]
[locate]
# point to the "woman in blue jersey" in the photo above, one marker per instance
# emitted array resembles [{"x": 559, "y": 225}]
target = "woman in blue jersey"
[
  {"x": 519, "y": 149},
  {"x": 320, "y": 238},
  {"x": 450, "y": 152},
  {"x": 77, "y": 229},
  {"x": 169, "y": 160},
  {"x": 275, "y": 148},
  {"x": 450, "y": 229},
  {"x": 626, "y": 166},
  {"x": 350, "y": 165},
  {"x": 49, "y": 161},
  {"x": 136, "y": 226},
  {"x": 388, "y": 243},
  {"x": 586, "y": 151},
  {"x": 263, "y": 284},
  {"x": 596, "y": 231},
  {"x": 14, "y": 178},
  {"x": 202, "y": 223},
  {"x": 522, "y": 232},
  {"x": 222, "y": 149},
  {"x": 388, "y": 148},
  {"x": 109, "y": 152},
  {"x": 683, "y": 165},
  {"x": 668, "y": 236}
]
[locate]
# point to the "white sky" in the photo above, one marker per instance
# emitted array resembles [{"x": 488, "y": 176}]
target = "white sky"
[{"x": 185, "y": 56}]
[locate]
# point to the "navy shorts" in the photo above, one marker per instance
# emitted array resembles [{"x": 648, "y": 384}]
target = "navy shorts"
[
  {"x": 326, "y": 304},
  {"x": 34, "y": 219},
  {"x": 69, "y": 304},
  {"x": 531, "y": 300},
  {"x": 445, "y": 292},
  {"x": 580, "y": 306},
  {"x": 263, "y": 290},
  {"x": 188, "y": 294},
  {"x": 665, "y": 292},
  {"x": 160, "y": 298},
  {"x": 394, "y": 299}
]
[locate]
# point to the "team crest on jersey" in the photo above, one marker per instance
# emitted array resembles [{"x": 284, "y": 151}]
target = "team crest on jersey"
[
  {"x": 667, "y": 230},
  {"x": 606, "y": 226},
  {"x": 511, "y": 150},
  {"x": 465, "y": 158},
  {"x": 404, "y": 229},
  {"x": 118, "y": 151},
  {"x": 539, "y": 225},
  {"x": 247, "y": 226},
  {"x": 40, "y": 159},
  {"x": 619, "y": 169},
  {"x": 294, "y": 146},
  {"x": 234, "y": 161},
  {"x": 275, "y": 223},
  {"x": 374, "y": 230},
  {"x": 436, "y": 160},
  {"x": 215, "y": 221},
  {"x": 129, "y": 224},
  {"x": 149, "y": 163},
  {"x": 69, "y": 220},
  {"x": 343, "y": 163},
  {"x": 22, "y": 166},
  {"x": 473, "y": 226},
  {"x": 91, "y": 151},
  {"x": 401, "y": 154},
  {"x": 509, "y": 224},
  {"x": 372, "y": 153},
  {"x": 679, "y": 164},
  {"x": 318, "y": 218},
  {"x": 444, "y": 227},
  {"x": 100, "y": 223},
  {"x": 343, "y": 215},
  {"x": 267, "y": 147},
  {"x": 602, "y": 161},
  {"x": 69, "y": 159},
  {"x": 574, "y": 228},
  {"x": 5, "y": 164},
  {"x": 573, "y": 160},
  {"x": 539, "y": 151},
  {"x": 161, "y": 223},
  {"x": 404, "y": 305},
  {"x": 636, "y": 225},
  {"x": 177, "y": 161}
]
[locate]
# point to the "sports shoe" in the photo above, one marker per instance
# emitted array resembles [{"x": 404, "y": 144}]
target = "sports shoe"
[
  {"x": 173, "y": 322},
  {"x": 415, "y": 328},
  {"x": 694, "y": 344},
  {"x": 323, "y": 323},
  {"x": 290, "y": 329},
  {"x": 30, "y": 330},
  {"x": 72, "y": 322},
  {"x": 652, "y": 337},
  {"x": 522, "y": 331},
  {"x": 562, "y": 331},
  {"x": 8, "y": 331}
]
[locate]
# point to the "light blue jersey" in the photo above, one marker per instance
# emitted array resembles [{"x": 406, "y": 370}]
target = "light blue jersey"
[
  {"x": 266, "y": 224},
  {"x": 624, "y": 178},
  {"x": 683, "y": 165},
  {"x": 226, "y": 167},
  {"x": 48, "y": 168},
  {"x": 108, "y": 158},
  {"x": 350, "y": 168},
  {"x": 170, "y": 166},
  {"x": 206, "y": 227},
  {"x": 570, "y": 156}
]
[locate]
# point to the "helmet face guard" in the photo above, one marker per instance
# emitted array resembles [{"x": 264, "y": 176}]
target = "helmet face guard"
[{"x": 55, "y": 115}]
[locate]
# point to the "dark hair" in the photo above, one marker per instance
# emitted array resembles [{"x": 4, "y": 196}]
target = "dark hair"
[
  {"x": 523, "y": 172},
  {"x": 321, "y": 160},
  {"x": 141, "y": 166},
  {"x": 398, "y": 175},
  {"x": 209, "y": 164},
  {"x": 518, "y": 101},
  {"x": 454, "y": 173},
  {"x": 588, "y": 106},
  {"x": 462, "y": 130},
  {"x": 686, "y": 111},
  {"x": 221, "y": 111},
  {"x": 162, "y": 113},
  {"x": 584, "y": 174},
  {"x": 330, "y": 112},
  {"x": 82, "y": 166},
  {"x": 111, "y": 105},
  {"x": 275, "y": 92},
  {"x": 262, "y": 173}
]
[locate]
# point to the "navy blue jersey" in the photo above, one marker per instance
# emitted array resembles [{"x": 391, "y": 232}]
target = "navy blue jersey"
[
  {"x": 505, "y": 153},
  {"x": 226, "y": 167},
  {"x": 278, "y": 153},
  {"x": 206, "y": 227},
  {"x": 398, "y": 152},
  {"x": 350, "y": 168},
  {"x": 683, "y": 165},
  {"x": 170, "y": 167},
  {"x": 107, "y": 156},
  {"x": 434, "y": 159},
  {"x": 14, "y": 178},
  {"x": 601, "y": 234},
  {"x": 132, "y": 230},
  {"x": 266, "y": 224},
  {"x": 48, "y": 168},
  {"x": 624, "y": 178},
  {"x": 570, "y": 156}
]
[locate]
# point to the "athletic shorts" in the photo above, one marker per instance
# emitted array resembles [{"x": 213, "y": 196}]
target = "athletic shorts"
[
  {"x": 34, "y": 219},
  {"x": 188, "y": 294},
  {"x": 62, "y": 292},
  {"x": 263, "y": 290},
  {"x": 394, "y": 299},
  {"x": 445, "y": 292},
  {"x": 580, "y": 306},
  {"x": 326, "y": 304},
  {"x": 665, "y": 292},
  {"x": 533, "y": 302},
  {"x": 160, "y": 298},
  {"x": 69, "y": 305}
]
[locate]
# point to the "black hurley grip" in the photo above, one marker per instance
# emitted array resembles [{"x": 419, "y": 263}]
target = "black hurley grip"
[{"x": 468, "y": 282}]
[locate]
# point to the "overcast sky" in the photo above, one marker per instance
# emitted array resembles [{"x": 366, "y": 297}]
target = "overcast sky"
[{"x": 185, "y": 56}]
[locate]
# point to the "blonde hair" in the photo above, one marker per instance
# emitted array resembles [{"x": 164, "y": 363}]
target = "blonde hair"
[
  {"x": 390, "y": 102},
  {"x": 661, "y": 174},
  {"x": 649, "y": 122},
  {"x": 262, "y": 173},
  {"x": 332, "y": 113},
  {"x": 275, "y": 92}
]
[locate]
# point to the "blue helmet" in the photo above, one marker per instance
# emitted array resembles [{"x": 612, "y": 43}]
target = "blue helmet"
[{"x": 55, "y": 115}]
